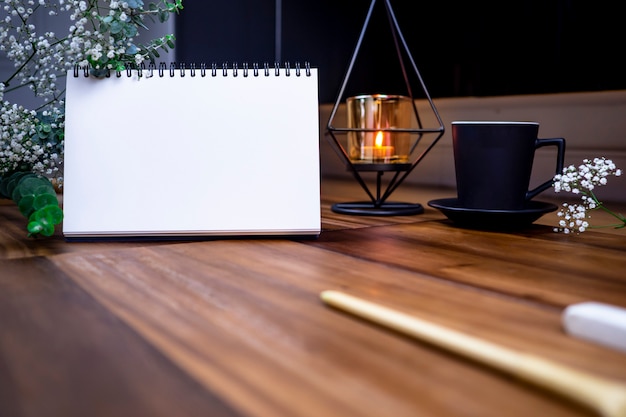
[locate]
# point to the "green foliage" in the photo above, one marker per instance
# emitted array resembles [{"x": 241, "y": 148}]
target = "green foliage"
[
  {"x": 36, "y": 199},
  {"x": 31, "y": 140},
  {"x": 127, "y": 28},
  {"x": 49, "y": 132}
]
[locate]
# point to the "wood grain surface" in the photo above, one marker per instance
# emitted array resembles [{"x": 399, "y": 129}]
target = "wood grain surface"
[
  {"x": 235, "y": 327},
  {"x": 64, "y": 354}
]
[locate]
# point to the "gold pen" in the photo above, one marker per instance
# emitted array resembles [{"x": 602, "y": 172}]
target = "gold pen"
[{"x": 601, "y": 395}]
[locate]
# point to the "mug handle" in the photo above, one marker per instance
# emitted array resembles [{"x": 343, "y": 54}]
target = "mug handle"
[{"x": 560, "y": 157}]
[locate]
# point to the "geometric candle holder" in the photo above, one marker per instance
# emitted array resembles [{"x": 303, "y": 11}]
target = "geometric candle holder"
[{"x": 384, "y": 134}]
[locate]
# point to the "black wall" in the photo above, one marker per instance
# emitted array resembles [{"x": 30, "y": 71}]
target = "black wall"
[{"x": 460, "y": 48}]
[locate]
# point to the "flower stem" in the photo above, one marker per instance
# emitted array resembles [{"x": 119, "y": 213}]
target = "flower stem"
[
  {"x": 8, "y": 81},
  {"x": 600, "y": 205}
]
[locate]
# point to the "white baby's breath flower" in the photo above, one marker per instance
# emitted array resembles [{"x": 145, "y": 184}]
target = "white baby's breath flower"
[
  {"x": 582, "y": 180},
  {"x": 32, "y": 140}
]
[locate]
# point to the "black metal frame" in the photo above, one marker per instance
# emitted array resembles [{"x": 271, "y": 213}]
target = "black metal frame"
[{"x": 378, "y": 204}]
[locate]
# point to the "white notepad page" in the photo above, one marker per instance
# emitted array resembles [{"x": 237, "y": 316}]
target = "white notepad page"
[{"x": 172, "y": 154}]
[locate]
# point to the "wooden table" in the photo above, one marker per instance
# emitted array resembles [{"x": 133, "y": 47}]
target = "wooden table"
[{"x": 235, "y": 327}]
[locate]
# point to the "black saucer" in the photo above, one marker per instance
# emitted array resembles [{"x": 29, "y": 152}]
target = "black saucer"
[{"x": 492, "y": 219}]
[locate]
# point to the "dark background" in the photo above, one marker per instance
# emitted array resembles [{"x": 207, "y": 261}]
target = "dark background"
[{"x": 459, "y": 48}]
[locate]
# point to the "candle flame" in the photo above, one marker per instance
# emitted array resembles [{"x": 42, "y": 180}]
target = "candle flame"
[{"x": 378, "y": 141}]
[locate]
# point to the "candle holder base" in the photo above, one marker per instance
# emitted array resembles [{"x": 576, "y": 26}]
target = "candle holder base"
[
  {"x": 368, "y": 208},
  {"x": 378, "y": 167}
]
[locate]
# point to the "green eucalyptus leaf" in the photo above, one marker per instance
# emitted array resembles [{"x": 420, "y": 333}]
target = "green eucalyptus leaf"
[
  {"x": 17, "y": 195},
  {"x": 21, "y": 174},
  {"x": 36, "y": 199},
  {"x": 136, "y": 20},
  {"x": 119, "y": 66},
  {"x": 51, "y": 213},
  {"x": 174, "y": 7},
  {"x": 26, "y": 205},
  {"x": 32, "y": 185},
  {"x": 43, "y": 200},
  {"x": 14, "y": 181},
  {"x": 43, "y": 212},
  {"x": 45, "y": 187},
  {"x": 40, "y": 227},
  {"x": 28, "y": 185},
  {"x": 98, "y": 72},
  {"x": 135, "y": 4},
  {"x": 42, "y": 132},
  {"x": 34, "y": 228},
  {"x": 116, "y": 27},
  {"x": 3, "y": 188},
  {"x": 4, "y": 184},
  {"x": 38, "y": 224},
  {"x": 164, "y": 16},
  {"x": 130, "y": 30}
]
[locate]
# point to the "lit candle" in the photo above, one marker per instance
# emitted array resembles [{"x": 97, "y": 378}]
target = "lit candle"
[
  {"x": 378, "y": 112},
  {"x": 380, "y": 151}
]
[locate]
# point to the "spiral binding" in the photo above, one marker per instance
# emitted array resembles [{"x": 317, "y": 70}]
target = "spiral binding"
[{"x": 203, "y": 70}]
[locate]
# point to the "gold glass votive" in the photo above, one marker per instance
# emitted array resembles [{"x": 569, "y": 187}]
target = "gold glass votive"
[{"x": 379, "y": 111}]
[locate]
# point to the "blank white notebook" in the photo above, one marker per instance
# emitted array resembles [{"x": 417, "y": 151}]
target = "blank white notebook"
[{"x": 192, "y": 153}]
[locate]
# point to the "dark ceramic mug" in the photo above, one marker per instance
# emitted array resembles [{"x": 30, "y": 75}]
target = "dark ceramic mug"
[{"x": 494, "y": 160}]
